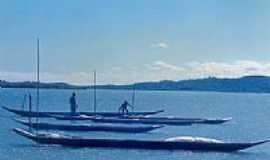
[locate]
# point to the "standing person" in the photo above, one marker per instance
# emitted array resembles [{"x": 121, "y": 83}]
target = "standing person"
[
  {"x": 124, "y": 107},
  {"x": 73, "y": 104}
]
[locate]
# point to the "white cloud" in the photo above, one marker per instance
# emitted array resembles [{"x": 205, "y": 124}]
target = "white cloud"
[
  {"x": 159, "y": 45},
  {"x": 230, "y": 69},
  {"x": 160, "y": 65}
]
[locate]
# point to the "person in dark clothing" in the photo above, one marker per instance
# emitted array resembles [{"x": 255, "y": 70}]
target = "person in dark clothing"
[
  {"x": 73, "y": 104},
  {"x": 124, "y": 107}
]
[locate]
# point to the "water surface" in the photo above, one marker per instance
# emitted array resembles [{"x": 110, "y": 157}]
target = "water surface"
[{"x": 250, "y": 113}]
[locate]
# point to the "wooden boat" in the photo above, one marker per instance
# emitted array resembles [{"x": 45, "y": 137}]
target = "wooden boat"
[
  {"x": 88, "y": 127},
  {"x": 179, "y": 143},
  {"x": 49, "y": 114}
]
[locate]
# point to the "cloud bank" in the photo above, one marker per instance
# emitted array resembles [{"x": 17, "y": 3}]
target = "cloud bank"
[{"x": 155, "y": 71}]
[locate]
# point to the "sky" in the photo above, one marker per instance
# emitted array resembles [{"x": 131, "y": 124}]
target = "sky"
[{"x": 133, "y": 41}]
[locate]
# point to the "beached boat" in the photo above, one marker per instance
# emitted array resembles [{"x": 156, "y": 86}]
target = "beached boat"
[
  {"x": 24, "y": 113},
  {"x": 178, "y": 143},
  {"x": 90, "y": 127}
]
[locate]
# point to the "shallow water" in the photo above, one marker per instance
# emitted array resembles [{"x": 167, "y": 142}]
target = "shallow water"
[{"x": 250, "y": 113}]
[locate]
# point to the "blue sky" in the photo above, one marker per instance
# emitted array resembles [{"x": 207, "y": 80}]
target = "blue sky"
[{"x": 127, "y": 41}]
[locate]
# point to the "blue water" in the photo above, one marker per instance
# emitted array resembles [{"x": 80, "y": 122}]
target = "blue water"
[{"x": 250, "y": 113}]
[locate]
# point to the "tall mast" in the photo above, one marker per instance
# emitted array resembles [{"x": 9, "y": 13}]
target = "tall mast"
[
  {"x": 38, "y": 81},
  {"x": 95, "y": 93}
]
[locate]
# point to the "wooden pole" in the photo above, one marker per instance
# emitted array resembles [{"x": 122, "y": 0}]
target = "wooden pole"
[
  {"x": 38, "y": 81},
  {"x": 30, "y": 110},
  {"x": 95, "y": 93}
]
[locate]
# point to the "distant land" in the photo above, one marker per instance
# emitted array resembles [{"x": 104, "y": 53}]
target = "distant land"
[
  {"x": 256, "y": 84},
  {"x": 29, "y": 84}
]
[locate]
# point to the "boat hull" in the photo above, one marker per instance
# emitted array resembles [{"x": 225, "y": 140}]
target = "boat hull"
[
  {"x": 134, "y": 144},
  {"x": 175, "y": 119},
  {"x": 50, "y": 114}
]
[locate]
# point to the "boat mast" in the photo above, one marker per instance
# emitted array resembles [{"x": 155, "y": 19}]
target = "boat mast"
[
  {"x": 38, "y": 81},
  {"x": 30, "y": 110},
  {"x": 95, "y": 93}
]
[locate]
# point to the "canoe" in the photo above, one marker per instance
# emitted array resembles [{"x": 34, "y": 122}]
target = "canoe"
[
  {"x": 49, "y": 114},
  {"x": 180, "y": 143},
  {"x": 88, "y": 127}
]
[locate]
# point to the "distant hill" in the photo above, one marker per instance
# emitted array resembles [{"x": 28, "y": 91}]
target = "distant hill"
[
  {"x": 28, "y": 84},
  {"x": 256, "y": 84}
]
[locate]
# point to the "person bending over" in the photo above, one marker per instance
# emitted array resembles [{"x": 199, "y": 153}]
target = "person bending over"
[{"x": 124, "y": 107}]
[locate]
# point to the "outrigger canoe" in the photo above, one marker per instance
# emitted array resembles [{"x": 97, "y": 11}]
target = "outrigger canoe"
[
  {"x": 178, "y": 143},
  {"x": 193, "y": 120},
  {"x": 90, "y": 127},
  {"x": 49, "y": 114}
]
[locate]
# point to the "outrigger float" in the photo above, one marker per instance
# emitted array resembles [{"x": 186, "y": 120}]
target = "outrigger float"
[
  {"x": 196, "y": 120},
  {"x": 177, "y": 143},
  {"x": 146, "y": 120},
  {"x": 157, "y": 120},
  {"x": 90, "y": 127}
]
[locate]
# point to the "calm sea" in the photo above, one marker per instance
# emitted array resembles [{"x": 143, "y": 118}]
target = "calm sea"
[{"x": 250, "y": 113}]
